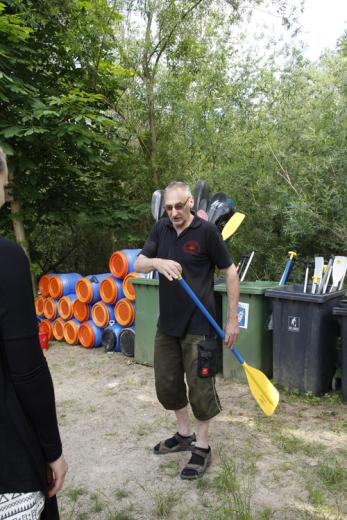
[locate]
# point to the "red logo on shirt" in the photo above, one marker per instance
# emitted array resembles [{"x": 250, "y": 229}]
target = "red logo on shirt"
[{"x": 192, "y": 247}]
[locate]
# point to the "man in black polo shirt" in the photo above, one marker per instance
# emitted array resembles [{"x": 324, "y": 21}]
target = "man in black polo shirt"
[{"x": 184, "y": 245}]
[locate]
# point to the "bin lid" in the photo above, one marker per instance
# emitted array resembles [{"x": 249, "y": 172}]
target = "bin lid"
[
  {"x": 145, "y": 281},
  {"x": 257, "y": 287},
  {"x": 296, "y": 292},
  {"x": 341, "y": 308}
]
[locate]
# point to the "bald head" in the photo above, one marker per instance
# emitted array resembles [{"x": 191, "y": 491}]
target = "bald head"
[{"x": 179, "y": 185}]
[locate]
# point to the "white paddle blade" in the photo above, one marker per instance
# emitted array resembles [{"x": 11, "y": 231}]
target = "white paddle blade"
[
  {"x": 339, "y": 271},
  {"x": 318, "y": 272}
]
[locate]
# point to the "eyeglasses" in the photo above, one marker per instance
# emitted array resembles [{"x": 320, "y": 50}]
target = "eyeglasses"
[{"x": 178, "y": 206}]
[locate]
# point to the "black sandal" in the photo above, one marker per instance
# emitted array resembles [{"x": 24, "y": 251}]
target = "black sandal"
[
  {"x": 197, "y": 464},
  {"x": 174, "y": 444}
]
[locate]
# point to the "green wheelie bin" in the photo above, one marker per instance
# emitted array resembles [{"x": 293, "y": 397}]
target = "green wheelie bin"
[
  {"x": 255, "y": 339},
  {"x": 147, "y": 314}
]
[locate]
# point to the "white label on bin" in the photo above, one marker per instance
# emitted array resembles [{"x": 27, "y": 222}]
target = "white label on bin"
[
  {"x": 243, "y": 311},
  {"x": 294, "y": 323}
]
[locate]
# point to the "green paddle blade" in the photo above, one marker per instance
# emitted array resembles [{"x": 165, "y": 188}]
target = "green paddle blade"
[
  {"x": 262, "y": 389},
  {"x": 232, "y": 225}
]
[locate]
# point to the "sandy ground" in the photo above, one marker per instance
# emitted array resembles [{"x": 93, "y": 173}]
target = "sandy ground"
[{"x": 287, "y": 467}]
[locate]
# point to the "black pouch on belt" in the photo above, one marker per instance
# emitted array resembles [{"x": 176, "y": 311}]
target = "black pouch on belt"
[{"x": 207, "y": 357}]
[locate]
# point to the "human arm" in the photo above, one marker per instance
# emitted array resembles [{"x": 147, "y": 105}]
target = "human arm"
[
  {"x": 22, "y": 354},
  {"x": 169, "y": 268},
  {"x": 148, "y": 260},
  {"x": 232, "y": 283},
  {"x": 56, "y": 472}
]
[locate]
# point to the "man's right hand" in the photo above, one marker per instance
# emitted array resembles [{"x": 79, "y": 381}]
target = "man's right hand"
[{"x": 169, "y": 268}]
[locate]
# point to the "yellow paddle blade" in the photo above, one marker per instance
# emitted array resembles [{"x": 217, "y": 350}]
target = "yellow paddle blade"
[
  {"x": 262, "y": 389},
  {"x": 232, "y": 225}
]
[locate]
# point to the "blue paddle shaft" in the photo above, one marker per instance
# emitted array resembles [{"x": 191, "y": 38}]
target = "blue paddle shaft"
[
  {"x": 286, "y": 271},
  {"x": 207, "y": 315}
]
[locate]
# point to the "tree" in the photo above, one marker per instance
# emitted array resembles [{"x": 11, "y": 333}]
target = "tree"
[{"x": 56, "y": 126}]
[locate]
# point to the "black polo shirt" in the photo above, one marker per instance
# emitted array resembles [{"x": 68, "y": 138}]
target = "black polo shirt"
[{"x": 199, "y": 249}]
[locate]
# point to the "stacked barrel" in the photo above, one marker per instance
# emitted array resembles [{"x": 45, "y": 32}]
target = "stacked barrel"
[{"x": 94, "y": 310}]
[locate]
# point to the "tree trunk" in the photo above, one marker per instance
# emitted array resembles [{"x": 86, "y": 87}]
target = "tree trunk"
[
  {"x": 18, "y": 228},
  {"x": 149, "y": 79}
]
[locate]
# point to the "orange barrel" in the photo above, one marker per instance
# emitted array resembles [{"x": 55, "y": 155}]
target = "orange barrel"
[
  {"x": 111, "y": 290},
  {"x": 63, "y": 284},
  {"x": 39, "y": 305},
  {"x": 128, "y": 288},
  {"x": 124, "y": 312},
  {"x": 89, "y": 335},
  {"x": 71, "y": 329},
  {"x": 44, "y": 284},
  {"x": 58, "y": 329},
  {"x": 122, "y": 262},
  {"x": 110, "y": 337},
  {"x": 102, "y": 313},
  {"x": 46, "y": 326},
  {"x": 88, "y": 287},
  {"x": 50, "y": 309},
  {"x": 81, "y": 311},
  {"x": 127, "y": 342},
  {"x": 65, "y": 306}
]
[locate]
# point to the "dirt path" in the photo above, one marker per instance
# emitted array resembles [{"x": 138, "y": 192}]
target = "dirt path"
[{"x": 287, "y": 467}]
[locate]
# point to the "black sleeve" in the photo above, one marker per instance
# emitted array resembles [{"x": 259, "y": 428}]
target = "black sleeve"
[
  {"x": 150, "y": 247},
  {"x": 19, "y": 338},
  {"x": 217, "y": 248}
]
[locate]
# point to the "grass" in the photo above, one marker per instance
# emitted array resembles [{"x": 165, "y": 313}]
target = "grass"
[
  {"x": 98, "y": 504},
  {"x": 164, "y": 503},
  {"x": 292, "y": 444},
  {"x": 121, "y": 493},
  {"x": 235, "y": 495},
  {"x": 316, "y": 495},
  {"x": 332, "y": 475},
  {"x": 170, "y": 469}
]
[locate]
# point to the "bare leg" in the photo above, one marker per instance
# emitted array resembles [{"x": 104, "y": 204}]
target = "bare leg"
[
  {"x": 183, "y": 423},
  {"x": 202, "y": 434}
]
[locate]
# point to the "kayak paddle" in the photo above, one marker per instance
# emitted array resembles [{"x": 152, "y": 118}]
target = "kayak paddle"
[
  {"x": 288, "y": 267},
  {"x": 157, "y": 198},
  {"x": 247, "y": 266},
  {"x": 232, "y": 225},
  {"x": 318, "y": 273},
  {"x": 339, "y": 271},
  {"x": 263, "y": 391},
  {"x": 202, "y": 214},
  {"x": 201, "y": 191}
]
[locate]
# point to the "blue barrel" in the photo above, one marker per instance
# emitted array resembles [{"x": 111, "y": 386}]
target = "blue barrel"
[
  {"x": 88, "y": 287},
  {"x": 110, "y": 337},
  {"x": 102, "y": 314},
  {"x": 89, "y": 334},
  {"x": 111, "y": 289},
  {"x": 65, "y": 306},
  {"x": 63, "y": 284},
  {"x": 127, "y": 341},
  {"x": 123, "y": 262}
]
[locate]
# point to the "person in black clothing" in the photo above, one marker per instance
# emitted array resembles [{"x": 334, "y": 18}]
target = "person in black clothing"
[
  {"x": 32, "y": 466},
  {"x": 185, "y": 245}
]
